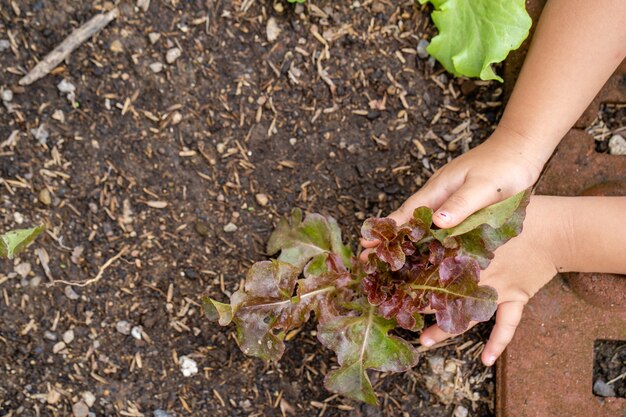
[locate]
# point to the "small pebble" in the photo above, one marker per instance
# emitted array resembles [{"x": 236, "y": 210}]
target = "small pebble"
[
  {"x": 421, "y": 49},
  {"x": 172, "y": 55},
  {"x": 160, "y": 413},
  {"x": 68, "y": 337},
  {"x": 156, "y": 67},
  {"x": 4, "y": 45},
  {"x": 53, "y": 397},
  {"x": 59, "y": 346},
  {"x": 18, "y": 217},
  {"x": 272, "y": 29},
  {"x": 80, "y": 409},
  {"x": 230, "y": 228},
  {"x": 66, "y": 87},
  {"x": 292, "y": 141},
  {"x": 603, "y": 389},
  {"x": 35, "y": 281},
  {"x": 41, "y": 134},
  {"x": 123, "y": 327},
  {"x": 44, "y": 196},
  {"x": 70, "y": 293},
  {"x": 176, "y": 118},
  {"x": 6, "y": 95},
  {"x": 88, "y": 398},
  {"x": 436, "y": 364},
  {"x": 49, "y": 335},
  {"x": 59, "y": 116},
  {"x": 617, "y": 145},
  {"x": 460, "y": 411},
  {"x": 261, "y": 199},
  {"x": 188, "y": 366},
  {"x": 154, "y": 37},
  {"x": 136, "y": 332},
  {"x": 116, "y": 46},
  {"x": 22, "y": 269}
]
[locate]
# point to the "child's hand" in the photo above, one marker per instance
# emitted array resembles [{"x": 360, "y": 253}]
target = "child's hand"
[
  {"x": 521, "y": 267},
  {"x": 500, "y": 167}
]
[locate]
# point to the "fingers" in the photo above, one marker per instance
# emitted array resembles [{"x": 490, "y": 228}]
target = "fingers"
[
  {"x": 508, "y": 317},
  {"x": 366, "y": 253},
  {"x": 434, "y": 334},
  {"x": 369, "y": 243},
  {"x": 432, "y": 195},
  {"x": 470, "y": 197}
]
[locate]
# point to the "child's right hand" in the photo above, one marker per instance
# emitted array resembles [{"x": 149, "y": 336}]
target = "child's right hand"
[{"x": 502, "y": 166}]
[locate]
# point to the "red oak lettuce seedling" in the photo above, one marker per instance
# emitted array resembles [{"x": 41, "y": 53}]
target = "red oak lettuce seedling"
[{"x": 416, "y": 266}]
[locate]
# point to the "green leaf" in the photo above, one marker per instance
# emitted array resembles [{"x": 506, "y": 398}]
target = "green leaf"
[
  {"x": 216, "y": 311},
  {"x": 362, "y": 342},
  {"x": 495, "y": 215},
  {"x": 474, "y": 34},
  {"x": 300, "y": 240},
  {"x": 12, "y": 243}
]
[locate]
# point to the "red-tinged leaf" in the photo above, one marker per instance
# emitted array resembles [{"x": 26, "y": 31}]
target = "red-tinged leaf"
[
  {"x": 362, "y": 342},
  {"x": 265, "y": 308},
  {"x": 300, "y": 240},
  {"x": 395, "y": 242},
  {"x": 456, "y": 296}
]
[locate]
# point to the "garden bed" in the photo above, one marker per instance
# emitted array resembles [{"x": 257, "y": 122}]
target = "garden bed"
[{"x": 339, "y": 115}]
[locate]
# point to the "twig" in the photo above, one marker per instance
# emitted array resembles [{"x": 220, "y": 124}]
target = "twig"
[
  {"x": 98, "y": 276},
  {"x": 65, "y": 48}
]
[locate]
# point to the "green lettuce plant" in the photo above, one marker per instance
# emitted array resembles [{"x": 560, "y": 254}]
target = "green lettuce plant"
[
  {"x": 13, "y": 242},
  {"x": 415, "y": 267},
  {"x": 474, "y": 34}
]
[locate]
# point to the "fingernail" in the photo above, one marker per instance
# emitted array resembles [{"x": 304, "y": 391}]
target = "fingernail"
[
  {"x": 490, "y": 360},
  {"x": 427, "y": 341},
  {"x": 443, "y": 215}
]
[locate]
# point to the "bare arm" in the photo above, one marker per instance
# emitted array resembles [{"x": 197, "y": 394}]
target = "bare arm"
[{"x": 576, "y": 47}]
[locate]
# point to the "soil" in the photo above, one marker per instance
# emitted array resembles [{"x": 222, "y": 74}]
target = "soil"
[
  {"x": 338, "y": 115},
  {"x": 610, "y": 364}
]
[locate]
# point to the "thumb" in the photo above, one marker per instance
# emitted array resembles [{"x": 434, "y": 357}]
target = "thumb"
[{"x": 472, "y": 196}]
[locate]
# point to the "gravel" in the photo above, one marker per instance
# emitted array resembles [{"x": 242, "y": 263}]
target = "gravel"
[
  {"x": 156, "y": 67},
  {"x": 421, "y": 49},
  {"x": 262, "y": 199},
  {"x": 617, "y": 145},
  {"x": 603, "y": 389},
  {"x": 80, "y": 409},
  {"x": 188, "y": 366},
  {"x": 172, "y": 55},
  {"x": 161, "y": 413},
  {"x": 230, "y": 228},
  {"x": 68, "y": 337},
  {"x": 123, "y": 327},
  {"x": 70, "y": 293},
  {"x": 6, "y": 95}
]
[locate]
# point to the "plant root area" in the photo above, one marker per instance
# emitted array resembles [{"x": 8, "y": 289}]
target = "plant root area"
[{"x": 160, "y": 155}]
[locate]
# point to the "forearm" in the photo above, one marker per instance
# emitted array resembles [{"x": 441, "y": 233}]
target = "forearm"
[
  {"x": 575, "y": 49},
  {"x": 584, "y": 234}
]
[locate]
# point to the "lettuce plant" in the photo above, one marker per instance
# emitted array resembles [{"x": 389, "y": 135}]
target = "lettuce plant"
[
  {"x": 474, "y": 34},
  {"x": 13, "y": 242},
  {"x": 415, "y": 267}
]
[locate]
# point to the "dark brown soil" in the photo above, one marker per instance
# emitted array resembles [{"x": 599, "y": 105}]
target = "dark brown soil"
[
  {"x": 610, "y": 364},
  {"x": 350, "y": 129}
]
